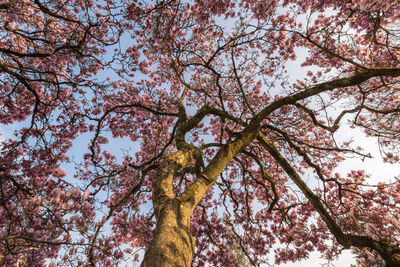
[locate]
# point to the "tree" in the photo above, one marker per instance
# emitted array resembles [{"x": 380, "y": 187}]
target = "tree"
[{"x": 212, "y": 131}]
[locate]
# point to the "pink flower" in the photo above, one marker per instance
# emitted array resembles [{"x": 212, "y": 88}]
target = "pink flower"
[{"x": 85, "y": 194}]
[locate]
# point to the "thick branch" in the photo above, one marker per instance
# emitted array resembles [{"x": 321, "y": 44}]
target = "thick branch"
[
  {"x": 291, "y": 172},
  {"x": 389, "y": 253},
  {"x": 358, "y": 78},
  {"x": 195, "y": 192}
]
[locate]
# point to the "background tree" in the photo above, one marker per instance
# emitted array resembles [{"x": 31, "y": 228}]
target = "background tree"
[{"x": 188, "y": 135}]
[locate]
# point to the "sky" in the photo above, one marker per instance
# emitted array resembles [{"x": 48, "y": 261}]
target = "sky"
[{"x": 345, "y": 260}]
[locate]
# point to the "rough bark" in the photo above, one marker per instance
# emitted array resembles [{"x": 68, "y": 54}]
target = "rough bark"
[{"x": 172, "y": 244}]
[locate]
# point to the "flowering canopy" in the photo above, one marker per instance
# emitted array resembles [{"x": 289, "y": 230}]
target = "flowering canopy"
[{"x": 177, "y": 127}]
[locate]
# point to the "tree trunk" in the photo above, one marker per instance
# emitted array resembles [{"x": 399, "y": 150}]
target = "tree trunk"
[{"x": 172, "y": 244}]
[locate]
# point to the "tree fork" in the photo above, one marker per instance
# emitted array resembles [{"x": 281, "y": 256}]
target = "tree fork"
[{"x": 172, "y": 244}]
